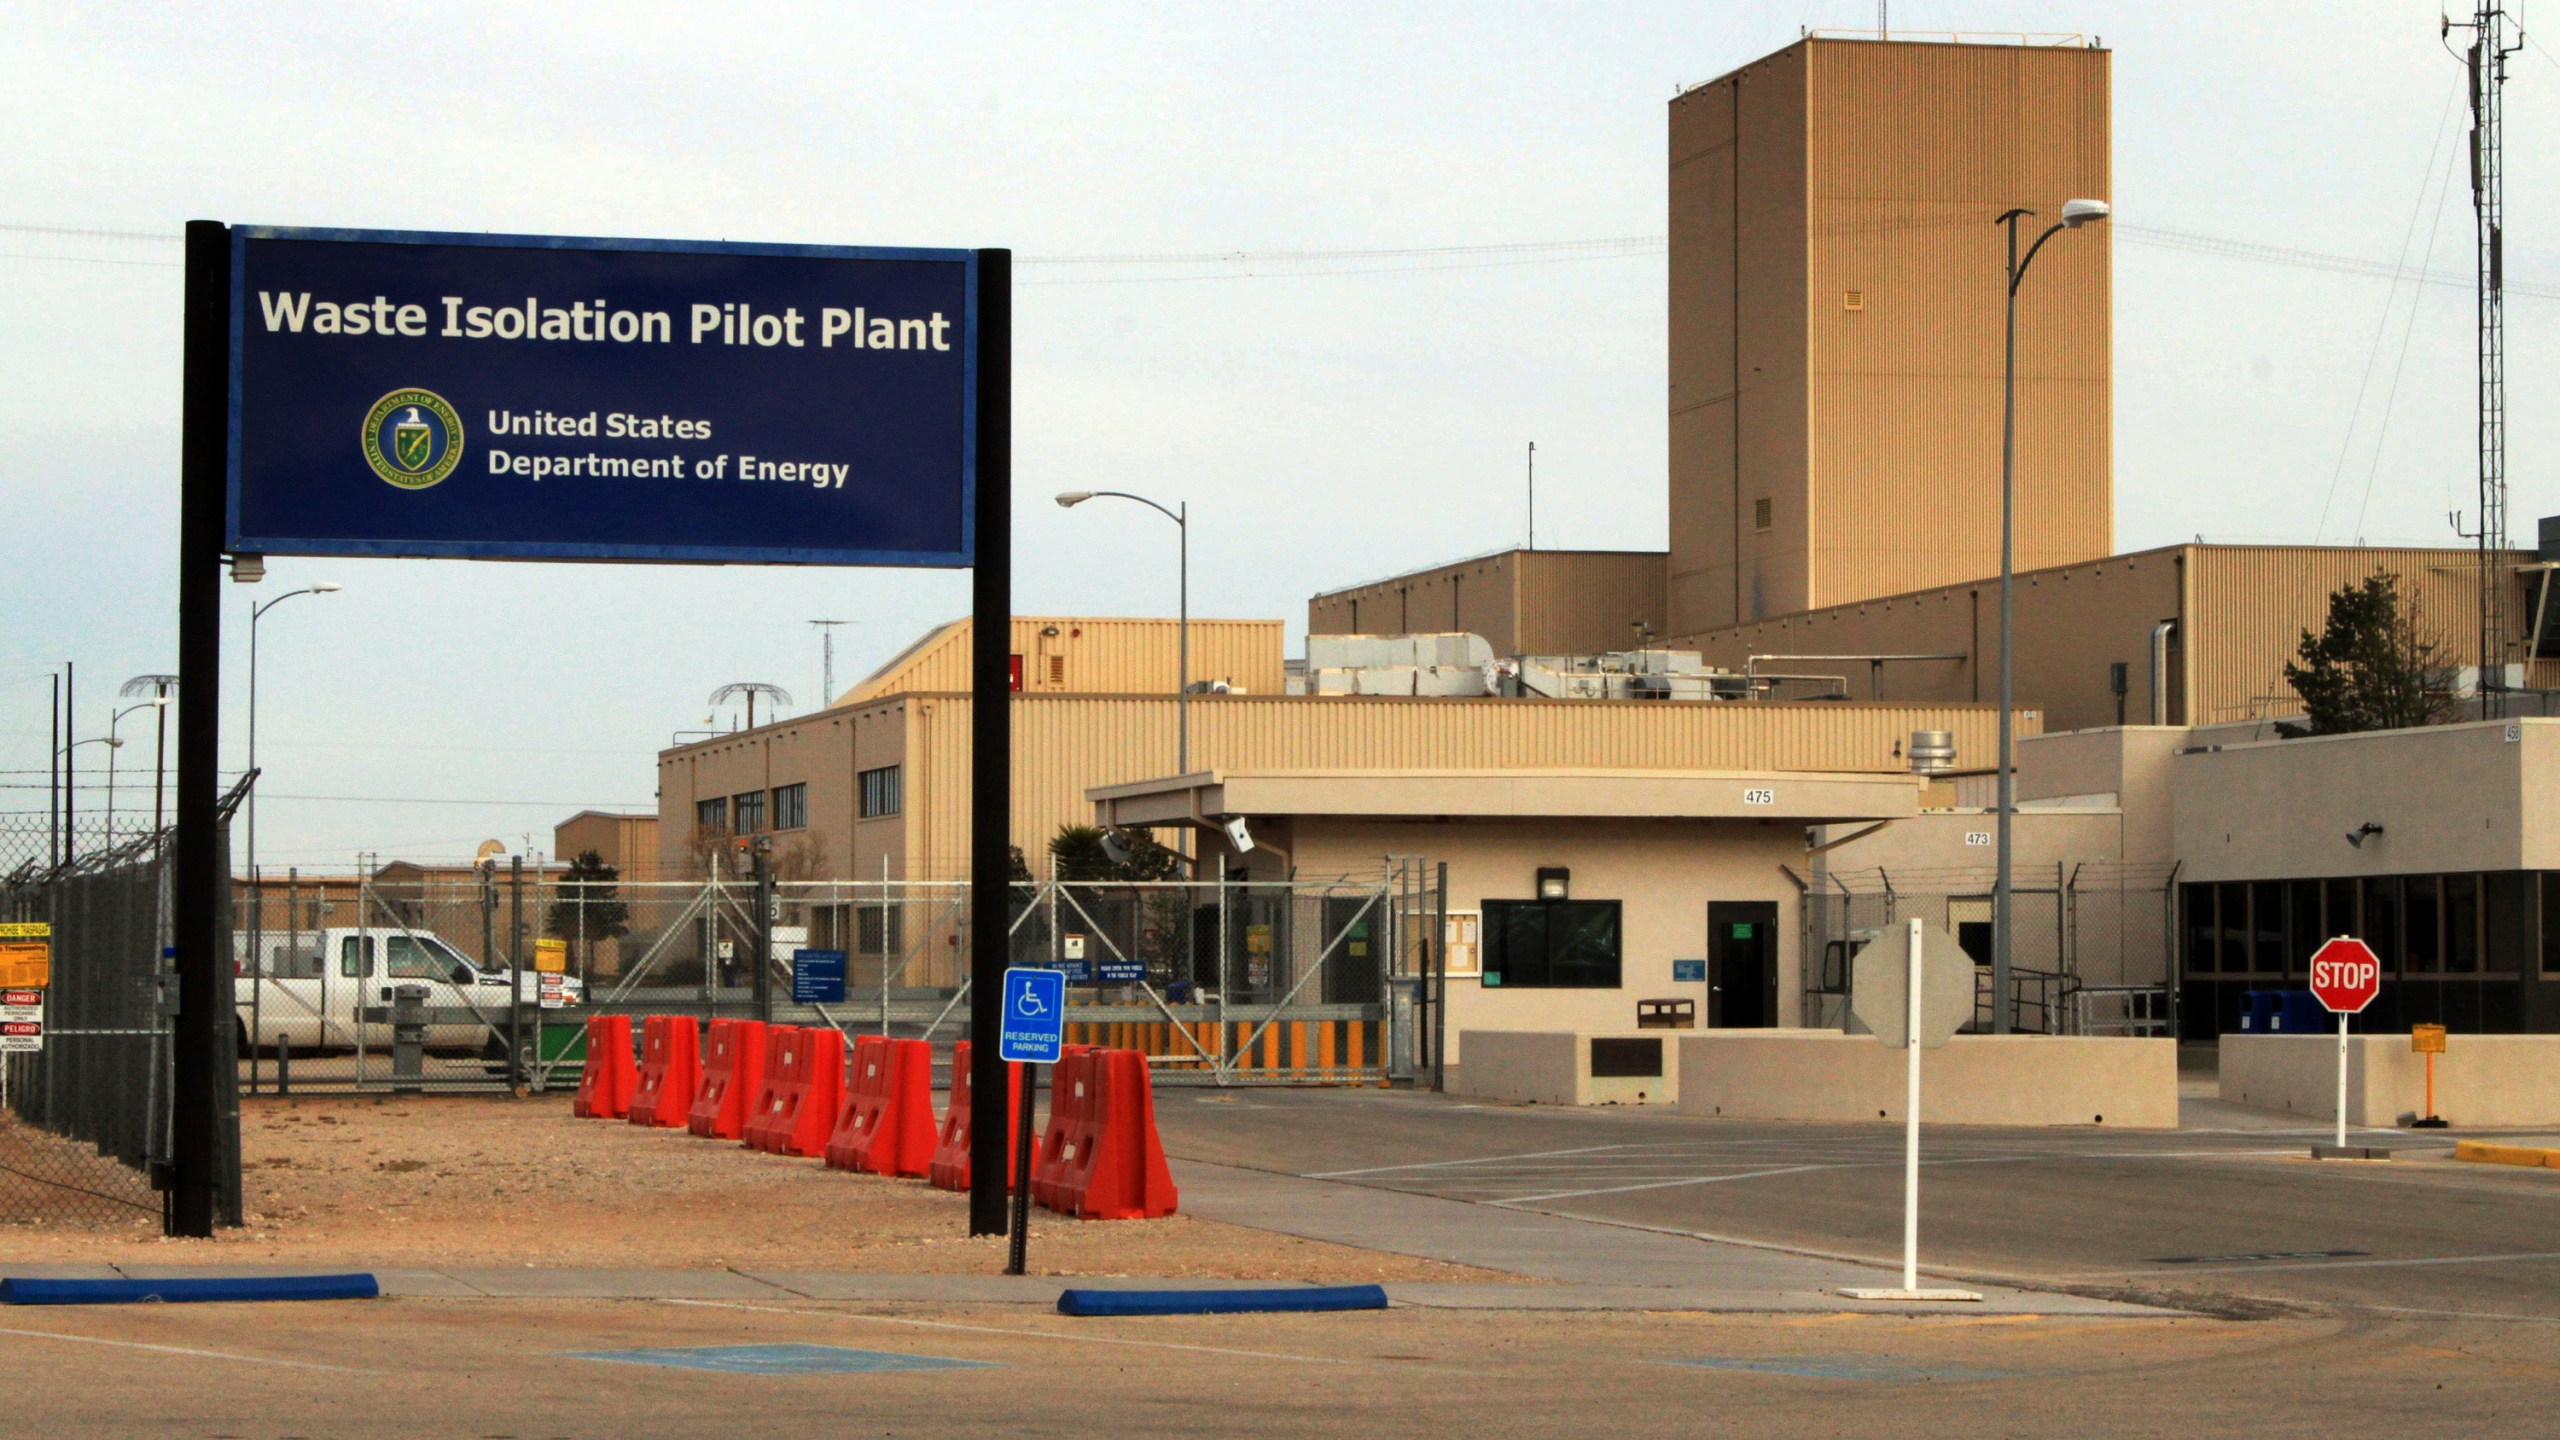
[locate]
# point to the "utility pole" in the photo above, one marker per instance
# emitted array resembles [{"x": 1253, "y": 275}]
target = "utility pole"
[
  {"x": 827, "y": 662},
  {"x": 1533, "y": 494},
  {"x": 2487, "y": 61}
]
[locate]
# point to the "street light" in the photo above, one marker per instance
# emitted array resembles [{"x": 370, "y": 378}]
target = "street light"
[
  {"x": 70, "y": 833},
  {"x": 114, "y": 745},
  {"x": 2075, "y": 213},
  {"x": 322, "y": 587},
  {"x": 1180, "y": 515},
  {"x": 158, "y": 686}
]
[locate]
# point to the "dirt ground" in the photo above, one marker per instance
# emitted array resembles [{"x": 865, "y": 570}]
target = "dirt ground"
[{"x": 484, "y": 1180}]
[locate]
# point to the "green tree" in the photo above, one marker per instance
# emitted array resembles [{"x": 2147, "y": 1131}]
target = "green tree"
[
  {"x": 2371, "y": 667},
  {"x": 590, "y": 908},
  {"x": 1076, "y": 852}
]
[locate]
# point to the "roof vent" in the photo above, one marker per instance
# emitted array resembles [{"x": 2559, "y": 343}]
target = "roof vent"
[{"x": 1933, "y": 752}]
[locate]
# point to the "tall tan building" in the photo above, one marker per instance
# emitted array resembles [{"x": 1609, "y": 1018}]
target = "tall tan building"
[{"x": 1836, "y": 290}]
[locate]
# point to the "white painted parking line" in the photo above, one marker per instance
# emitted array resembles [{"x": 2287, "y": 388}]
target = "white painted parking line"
[
  {"x": 1446, "y": 1164},
  {"x": 2328, "y": 1265},
  {"x": 1666, "y": 1184},
  {"x": 185, "y": 1350},
  {"x": 1076, "y": 1339}
]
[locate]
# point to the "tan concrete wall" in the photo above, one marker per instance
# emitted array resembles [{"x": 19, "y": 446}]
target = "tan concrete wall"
[
  {"x": 1971, "y": 1080},
  {"x": 2481, "y": 1080},
  {"x": 2450, "y": 797},
  {"x": 2132, "y": 764},
  {"x": 1664, "y": 872},
  {"x": 1924, "y": 846},
  {"x": 1554, "y": 1068}
]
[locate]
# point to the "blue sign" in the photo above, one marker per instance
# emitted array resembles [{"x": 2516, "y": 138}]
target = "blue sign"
[
  {"x": 1117, "y": 971},
  {"x": 1078, "y": 972},
  {"x": 817, "y": 977},
  {"x": 1035, "y": 1015},
  {"x": 1689, "y": 970},
  {"x": 522, "y": 397}
]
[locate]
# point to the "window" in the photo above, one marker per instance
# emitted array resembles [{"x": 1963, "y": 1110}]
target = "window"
[
  {"x": 2462, "y": 924},
  {"x": 711, "y": 814},
  {"x": 2267, "y": 909},
  {"x": 1760, "y": 516},
  {"x": 2382, "y": 921},
  {"x": 879, "y": 929},
  {"x": 791, "y": 806},
  {"x": 2422, "y": 948},
  {"x": 2202, "y": 935},
  {"x": 2302, "y": 925},
  {"x": 749, "y": 808},
  {"x": 1551, "y": 943},
  {"x": 880, "y": 792},
  {"x": 2235, "y": 928},
  {"x": 355, "y": 956},
  {"x": 2551, "y": 923},
  {"x": 2340, "y": 917},
  {"x": 407, "y": 957}
]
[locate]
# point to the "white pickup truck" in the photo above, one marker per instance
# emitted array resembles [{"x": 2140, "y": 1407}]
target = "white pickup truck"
[{"x": 308, "y": 988}]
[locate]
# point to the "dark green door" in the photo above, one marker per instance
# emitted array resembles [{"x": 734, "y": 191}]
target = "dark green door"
[{"x": 1742, "y": 964}]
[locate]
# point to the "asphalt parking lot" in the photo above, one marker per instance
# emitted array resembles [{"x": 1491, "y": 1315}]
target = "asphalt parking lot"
[
  {"x": 641, "y": 1370},
  {"x": 2225, "y": 1214}
]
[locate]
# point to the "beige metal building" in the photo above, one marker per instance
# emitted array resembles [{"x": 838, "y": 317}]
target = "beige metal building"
[
  {"x": 1523, "y": 602},
  {"x": 2202, "y": 632},
  {"x": 1065, "y": 654},
  {"x": 1836, "y": 323},
  {"x": 880, "y": 788},
  {"x": 628, "y": 843}
]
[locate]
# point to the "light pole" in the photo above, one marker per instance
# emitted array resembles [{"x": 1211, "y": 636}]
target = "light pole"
[
  {"x": 255, "y": 612},
  {"x": 114, "y": 745},
  {"x": 1180, "y": 515},
  {"x": 159, "y": 687},
  {"x": 71, "y": 837},
  {"x": 2075, "y": 213}
]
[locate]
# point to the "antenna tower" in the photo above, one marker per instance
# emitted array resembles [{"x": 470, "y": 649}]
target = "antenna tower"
[{"x": 2487, "y": 60}]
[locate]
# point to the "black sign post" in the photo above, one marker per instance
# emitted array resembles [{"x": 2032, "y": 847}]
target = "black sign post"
[
  {"x": 545, "y": 398},
  {"x": 991, "y": 741}
]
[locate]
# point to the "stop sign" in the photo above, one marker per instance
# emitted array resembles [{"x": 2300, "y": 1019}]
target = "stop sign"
[{"x": 2345, "y": 974}]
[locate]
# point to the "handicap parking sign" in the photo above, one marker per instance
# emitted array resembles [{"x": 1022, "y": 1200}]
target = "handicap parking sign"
[{"x": 1035, "y": 1015}]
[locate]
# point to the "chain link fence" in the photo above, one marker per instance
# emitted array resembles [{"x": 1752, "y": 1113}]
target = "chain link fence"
[
  {"x": 84, "y": 1117},
  {"x": 2091, "y": 952},
  {"x": 1217, "y": 982}
]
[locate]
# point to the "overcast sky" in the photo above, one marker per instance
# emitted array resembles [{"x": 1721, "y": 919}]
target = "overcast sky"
[{"x": 1326, "y": 428}]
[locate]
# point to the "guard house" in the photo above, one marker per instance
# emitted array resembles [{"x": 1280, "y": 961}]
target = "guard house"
[{"x": 1573, "y": 893}]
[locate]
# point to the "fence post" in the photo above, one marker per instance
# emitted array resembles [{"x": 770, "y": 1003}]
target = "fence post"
[
  {"x": 764, "y": 929},
  {"x": 1440, "y": 980},
  {"x": 515, "y": 976}
]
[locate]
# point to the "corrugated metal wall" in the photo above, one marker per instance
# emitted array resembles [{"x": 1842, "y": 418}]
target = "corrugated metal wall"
[
  {"x": 1065, "y": 745},
  {"x": 2260, "y": 598},
  {"x": 1915, "y": 147},
  {"x": 1836, "y": 326},
  {"x": 1100, "y": 655},
  {"x": 1535, "y": 602}
]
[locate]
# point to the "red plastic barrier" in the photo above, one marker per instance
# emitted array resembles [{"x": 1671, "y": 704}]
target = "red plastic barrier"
[
  {"x": 670, "y": 1068},
  {"x": 732, "y": 1072},
  {"x": 803, "y": 1084},
  {"x": 1053, "y": 1131},
  {"x": 605, "y": 1082},
  {"x": 885, "y": 1126},
  {"x": 1109, "y": 1164},
  {"x": 949, "y": 1168}
]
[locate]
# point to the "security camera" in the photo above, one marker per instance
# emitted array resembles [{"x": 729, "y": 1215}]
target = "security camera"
[{"x": 1240, "y": 835}]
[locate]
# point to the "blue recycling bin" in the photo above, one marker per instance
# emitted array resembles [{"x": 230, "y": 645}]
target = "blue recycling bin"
[
  {"x": 2299, "y": 1012},
  {"x": 2255, "y": 1005}
]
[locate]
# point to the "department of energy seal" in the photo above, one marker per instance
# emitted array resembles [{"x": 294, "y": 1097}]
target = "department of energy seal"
[{"x": 412, "y": 438}]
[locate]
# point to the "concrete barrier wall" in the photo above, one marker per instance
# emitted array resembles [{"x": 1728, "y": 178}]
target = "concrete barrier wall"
[
  {"x": 1971, "y": 1080},
  {"x": 1553, "y": 1067},
  {"x": 2485, "y": 1080}
]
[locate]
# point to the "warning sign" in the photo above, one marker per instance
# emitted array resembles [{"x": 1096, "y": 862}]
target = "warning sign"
[
  {"x": 21, "y": 1020},
  {"x": 26, "y": 953}
]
